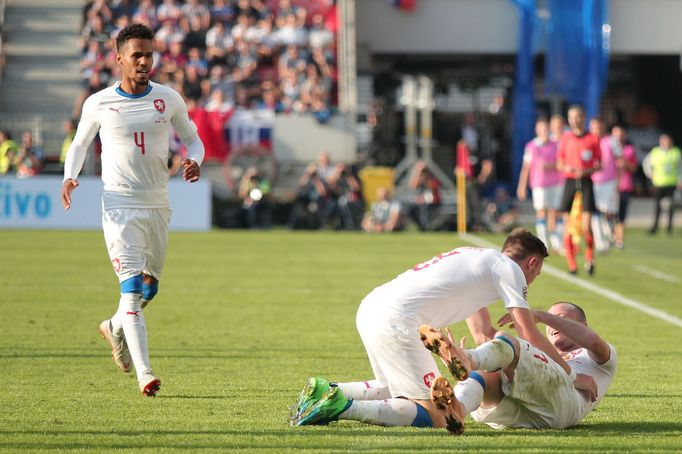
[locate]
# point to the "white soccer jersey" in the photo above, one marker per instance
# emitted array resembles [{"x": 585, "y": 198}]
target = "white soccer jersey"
[
  {"x": 582, "y": 363},
  {"x": 453, "y": 285},
  {"x": 134, "y": 130}
]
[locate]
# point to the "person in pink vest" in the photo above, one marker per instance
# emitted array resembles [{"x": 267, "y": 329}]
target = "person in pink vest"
[
  {"x": 626, "y": 162},
  {"x": 540, "y": 170},
  {"x": 606, "y": 191}
]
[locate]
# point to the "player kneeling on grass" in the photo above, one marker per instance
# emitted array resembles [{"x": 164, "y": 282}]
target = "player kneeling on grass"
[
  {"x": 441, "y": 291},
  {"x": 525, "y": 388}
]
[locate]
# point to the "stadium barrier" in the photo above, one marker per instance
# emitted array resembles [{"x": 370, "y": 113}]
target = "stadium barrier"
[{"x": 35, "y": 203}]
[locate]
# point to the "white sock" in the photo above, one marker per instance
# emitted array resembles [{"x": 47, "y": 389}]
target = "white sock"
[
  {"x": 541, "y": 230},
  {"x": 391, "y": 412},
  {"x": 600, "y": 241},
  {"x": 555, "y": 241},
  {"x": 469, "y": 393},
  {"x": 364, "y": 390},
  {"x": 492, "y": 355},
  {"x": 135, "y": 331},
  {"x": 117, "y": 324}
]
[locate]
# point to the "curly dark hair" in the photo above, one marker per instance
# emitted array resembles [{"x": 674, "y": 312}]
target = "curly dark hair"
[{"x": 134, "y": 31}]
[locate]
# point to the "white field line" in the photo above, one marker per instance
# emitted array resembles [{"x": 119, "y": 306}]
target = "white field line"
[
  {"x": 657, "y": 274},
  {"x": 613, "y": 296}
]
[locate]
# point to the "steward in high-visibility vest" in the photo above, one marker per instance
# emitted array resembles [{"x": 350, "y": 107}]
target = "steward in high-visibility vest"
[{"x": 663, "y": 166}]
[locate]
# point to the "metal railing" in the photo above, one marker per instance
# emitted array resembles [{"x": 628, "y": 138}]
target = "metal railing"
[{"x": 47, "y": 130}]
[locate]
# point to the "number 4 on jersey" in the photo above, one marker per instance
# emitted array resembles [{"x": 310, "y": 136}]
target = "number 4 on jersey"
[{"x": 139, "y": 140}]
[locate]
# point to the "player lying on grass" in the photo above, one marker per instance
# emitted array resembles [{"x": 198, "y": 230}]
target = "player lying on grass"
[
  {"x": 444, "y": 290},
  {"x": 525, "y": 388}
]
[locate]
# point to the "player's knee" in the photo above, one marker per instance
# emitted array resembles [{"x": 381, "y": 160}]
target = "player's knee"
[
  {"x": 510, "y": 341},
  {"x": 150, "y": 289},
  {"x": 132, "y": 284}
]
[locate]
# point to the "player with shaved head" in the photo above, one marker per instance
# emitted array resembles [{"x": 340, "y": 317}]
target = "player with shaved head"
[
  {"x": 133, "y": 118},
  {"x": 512, "y": 383}
]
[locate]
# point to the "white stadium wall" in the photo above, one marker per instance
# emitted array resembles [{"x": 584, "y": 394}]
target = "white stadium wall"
[
  {"x": 490, "y": 27},
  {"x": 35, "y": 203}
]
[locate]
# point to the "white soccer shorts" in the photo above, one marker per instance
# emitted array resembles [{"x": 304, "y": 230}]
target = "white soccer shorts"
[
  {"x": 398, "y": 358},
  {"x": 136, "y": 239},
  {"x": 541, "y": 395},
  {"x": 606, "y": 197},
  {"x": 548, "y": 198}
]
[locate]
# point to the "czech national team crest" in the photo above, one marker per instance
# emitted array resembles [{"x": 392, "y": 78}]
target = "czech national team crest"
[{"x": 160, "y": 105}]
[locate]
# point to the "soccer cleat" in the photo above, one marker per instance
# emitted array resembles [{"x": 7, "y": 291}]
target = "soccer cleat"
[
  {"x": 119, "y": 347},
  {"x": 448, "y": 405},
  {"x": 149, "y": 384},
  {"x": 454, "y": 357},
  {"x": 313, "y": 390},
  {"x": 327, "y": 409}
]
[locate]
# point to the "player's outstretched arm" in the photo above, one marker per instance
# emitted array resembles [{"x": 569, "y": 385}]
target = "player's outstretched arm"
[
  {"x": 480, "y": 326},
  {"x": 579, "y": 333},
  {"x": 524, "y": 323}
]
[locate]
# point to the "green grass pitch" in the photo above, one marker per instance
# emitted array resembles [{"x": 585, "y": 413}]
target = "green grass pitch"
[{"x": 243, "y": 318}]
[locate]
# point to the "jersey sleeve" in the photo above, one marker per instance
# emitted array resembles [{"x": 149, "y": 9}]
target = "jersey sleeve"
[
  {"x": 86, "y": 131},
  {"x": 510, "y": 283},
  {"x": 609, "y": 367},
  {"x": 184, "y": 127}
]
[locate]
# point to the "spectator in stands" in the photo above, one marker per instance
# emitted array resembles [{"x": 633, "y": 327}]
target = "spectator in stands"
[
  {"x": 254, "y": 191},
  {"x": 221, "y": 11},
  {"x": 95, "y": 84},
  {"x": 384, "y": 215},
  {"x": 501, "y": 215},
  {"x": 425, "y": 188},
  {"x": 191, "y": 88},
  {"x": 146, "y": 13},
  {"x": 627, "y": 165},
  {"x": 320, "y": 37},
  {"x": 195, "y": 35},
  {"x": 219, "y": 45},
  {"x": 69, "y": 133},
  {"x": 169, "y": 33},
  {"x": 195, "y": 59},
  {"x": 663, "y": 165},
  {"x": 95, "y": 30},
  {"x": 169, "y": 11},
  {"x": 8, "y": 152},
  {"x": 29, "y": 158},
  {"x": 311, "y": 200},
  {"x": 270, "y": 101},
  {"x": 346, "y": 206}
]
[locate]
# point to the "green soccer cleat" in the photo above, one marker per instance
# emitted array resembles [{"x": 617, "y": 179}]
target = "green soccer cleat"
[
  {"x": 327, "y": 409},
  {"x": 313, "y": 390}
]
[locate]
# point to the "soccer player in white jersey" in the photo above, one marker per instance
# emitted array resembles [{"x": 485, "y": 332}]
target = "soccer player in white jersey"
[
  {"x": 446, "y": 289},
  {"x": 133, "y": 118},
  {"x": 526, "y": 388}
]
